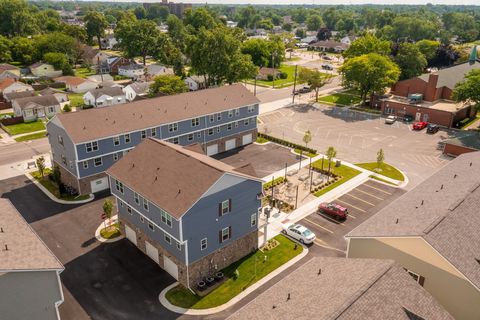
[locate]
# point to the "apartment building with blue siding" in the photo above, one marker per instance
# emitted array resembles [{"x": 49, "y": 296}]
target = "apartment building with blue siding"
[
  {"x": 84, "y": 144},
  {"x": 190, "y": 213}
]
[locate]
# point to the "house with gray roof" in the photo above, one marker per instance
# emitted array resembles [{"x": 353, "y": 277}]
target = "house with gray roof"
[
  {"x": 9, "y": 71},
  {"x": 36, "y": 107},
  {"x": 30, "y": 286},
  {"x": 325, "y": 288},
  {"x": 137, "y": 90},
  {"x": 191, "y": 214},
  {"x": 102, "y": 97},
  {"x": 17, "y": 95},
  {"x": 433, "y": 232}
]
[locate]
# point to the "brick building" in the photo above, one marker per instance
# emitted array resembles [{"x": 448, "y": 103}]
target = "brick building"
[
  {"x": 177, "y": 9},
  {"x": 429, "y": 97}
]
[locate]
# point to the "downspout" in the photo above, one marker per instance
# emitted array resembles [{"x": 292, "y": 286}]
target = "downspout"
[{"x": 186, "y": 263}]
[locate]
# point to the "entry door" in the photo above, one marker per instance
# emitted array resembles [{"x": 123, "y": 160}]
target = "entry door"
[
  {"x": 418, "y": 115},
  {"x": 170, "y": 267},
  {"x": 131, "y": 235},
  {"x": 425, "y": 117},
  {"x": 152, "y": 252}
]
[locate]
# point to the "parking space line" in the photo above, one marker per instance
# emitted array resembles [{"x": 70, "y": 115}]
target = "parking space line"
[
  {"x": 350, "y": 195},
  {"x": 330, "y": 219},
  {"x": 319, "y": 243},
  {"x": 368, "y": 194},
  {"x": 351, "y": 205},
  {"x": 367, "y": 185},
  {"x": 351, "y": 215},
  {"x": 316, "y": 224}
]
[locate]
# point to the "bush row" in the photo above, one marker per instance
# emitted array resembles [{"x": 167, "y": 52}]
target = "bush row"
[
  {"x": 326, "y": 184},
  {"x": 274, "y": 183},
  {"x": 286, "y": 143}
]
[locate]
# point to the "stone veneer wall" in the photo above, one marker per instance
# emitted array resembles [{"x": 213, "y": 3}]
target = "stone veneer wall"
[
  {"x": 67, "y": 177},
  {"x": 238, "y": 137}
]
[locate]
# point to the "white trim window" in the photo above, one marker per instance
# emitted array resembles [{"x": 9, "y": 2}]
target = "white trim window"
[
  {"x": 153, "y": 132},
  {"x": 127, "y": 138},
  {"x": 218, "y": 116},
  {"x": 142, "y": 219},
  {"x": 119, "y": 186},
  {"x": 251, "y": 109},
  {"x": 210, "y": 131},
  {"x": 116, "y": 141},
  {"x": 144, "y": 134},
  {"x": 60, "y": 139},
  {"x": 195, "y": 122},
  {"x": 115, "y": 156},
  {"x": 225, "y": 234},
  {"x": 237, "y": 111},
  {"x": 230, "y": 113},
  {"x": 151, "y": 226},
  {"x": 97, "y": 162},
  {"x": 253, "y": 220},
  {"x": 179, "y": 246},
  {"x": 246, "y": 122},
  {"x": 218, "y": 129},
  {"x": 145, "y": 204},
  {"x": 225, "y": 207},
  {"x": 229, "y": 127},
  {"x": 173, "y": 127},
  {"x": 167, "y": 238},
  {"x": 129, "y": 209},
  {"x": 190, "y": 137},
  {"x": 203, "y": 244},
  {"x": 91, "y": 146},
  {"x": 199, "y": 134},
  {"x": 211, "y": 118},
  {"x": 136, "y": 198},
  {"x": 85, "y": 164},
  {"x": 166, "y": 218},
  {"x": 175, "y": 140},
  {"x": 236, "y": 124}
]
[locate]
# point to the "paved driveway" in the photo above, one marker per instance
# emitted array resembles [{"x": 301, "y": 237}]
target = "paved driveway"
[
  {"x": 358, "y": 136},
  {"x": 100, "y": 281}
]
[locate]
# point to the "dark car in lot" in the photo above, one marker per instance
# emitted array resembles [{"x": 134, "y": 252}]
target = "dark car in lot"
[
  {"x": 327, "y": 67},
  {"x": 333, "y": 210},
  {"x": 432, "y": 128},
  {"x": 419, "y": 125},
  {"x": 408, "y": 118},
  {"x": 305, "y": 89}
]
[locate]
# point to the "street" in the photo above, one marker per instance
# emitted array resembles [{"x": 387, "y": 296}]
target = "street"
[{"x": 19, "y": 151}]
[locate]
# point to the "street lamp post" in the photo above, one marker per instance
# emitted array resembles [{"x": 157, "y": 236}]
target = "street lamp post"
[{"x": 274, "y": 55}]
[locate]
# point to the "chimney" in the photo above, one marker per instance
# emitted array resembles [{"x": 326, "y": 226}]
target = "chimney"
[{"x": 431, "y": 89}]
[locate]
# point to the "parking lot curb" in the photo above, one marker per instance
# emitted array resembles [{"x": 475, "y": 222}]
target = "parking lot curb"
[
  {"x": 101, "y": 226},
  {"x": 200, "y": 312},
  {"x": 52, "y": 197}
]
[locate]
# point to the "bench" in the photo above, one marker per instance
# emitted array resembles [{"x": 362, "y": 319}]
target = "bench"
[
  {"x": 317, "y": 181},
  {"x": 304, "y": 177},
  {"x": 31, "y": 164},
  {"x": 292, "y": 172}
]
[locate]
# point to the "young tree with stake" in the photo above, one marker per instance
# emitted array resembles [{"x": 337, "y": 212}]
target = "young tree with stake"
[
  {"x": 331, "y": 153},
  {"x": 380, "y": 158}
]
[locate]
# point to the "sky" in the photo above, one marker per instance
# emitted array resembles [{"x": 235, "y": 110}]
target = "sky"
[{"x": 320, "y": 2}]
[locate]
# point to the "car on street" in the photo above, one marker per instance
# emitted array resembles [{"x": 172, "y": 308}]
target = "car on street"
[
  {"x": 407, "y": 118},
  {"x": 305, "y": 89},
  {"x": 327, "y": 58},
  {"x": 419, "y": 125},
  {"x": 333, "y": 210},
  {"x": 299, "y": 233},
  {"x": 432, "y": 128},
  {"x": 327, "y": 67},
  {"x": 390, "y": 119}
]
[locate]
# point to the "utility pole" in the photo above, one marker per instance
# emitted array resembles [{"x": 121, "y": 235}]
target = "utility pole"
[
  {"x": 255, "y": 86},
  {"x": 286, "y": 164},
  {"x": 274, "y": 54},
  {"x": 294, "y": 84}
]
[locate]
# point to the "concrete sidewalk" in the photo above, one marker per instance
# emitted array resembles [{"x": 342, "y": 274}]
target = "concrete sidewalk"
[{"x": 20, "y": 168}]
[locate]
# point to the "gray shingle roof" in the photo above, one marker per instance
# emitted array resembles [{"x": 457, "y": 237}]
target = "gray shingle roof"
[
  {"x": 140, "y": 87},
  {"x": 443, "y": 210},
  {"x": 45, "y": 101},
  {"x": 449, "y": 77},
  {"x": 345, "y": 289},
  {"x": 109, "y": 91},
  {"x": 26, "y": 251},
  {"x": 17, "y": 95},
  {"x": 469, "y": 141}
]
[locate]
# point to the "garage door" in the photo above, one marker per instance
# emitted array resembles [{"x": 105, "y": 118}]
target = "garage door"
[
  {"x": 99, "y": 184},
  {"x": 213, "y": 149},
  {"x": 131, "y": 235},
  {"x": 170, "y": 267},
  {"x": 230, "y": 144},
  {"x": 152, "y": 252},
  {"x": 246, "y": 139}
]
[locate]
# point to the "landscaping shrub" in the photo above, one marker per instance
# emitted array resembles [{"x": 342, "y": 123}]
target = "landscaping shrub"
[
  {"x": 270, "y": 77},
  {"x": 283, "y": 75},
  {"x": 286, "y": 143},
  {"x": 67, "y": 108},
  {"x": 61, "y": 188},
  {"x": 274, "y": 183}
]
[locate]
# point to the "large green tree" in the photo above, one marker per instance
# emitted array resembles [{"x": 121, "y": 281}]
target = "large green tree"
[
  {"x": 17, "y": 18},
  {"x": 369, "y": 73},
  {"x": 167, "y": 85},
  {"x": 314, "y": 22},
  {"x": 54, "y": 42},
  {"x": 468, "y": 90},
  {"x": 198, "y": 18},
  {"x": 411, "y": 60},
  {"x": 5, "y": 49},
  {"x": 24, "y": 50},
  {"x": 314, "y": 78},
  {"x": 368, "y": 44},
  {"x": 59, "y": 61},
  {"x": 157, "y": 12},
  {"x": 95, "y": 24},
  {"x": 428, "y": 48}
]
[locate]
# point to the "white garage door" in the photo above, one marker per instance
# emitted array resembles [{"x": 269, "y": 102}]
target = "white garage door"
[
  {"x": 230, "y": 144},
  {"x": 170, "y": 267},
  {"x": 152, "y": 252},
  {"x": 131, "y": 235},
  {"x": 246, "y": 139},
  {"x": 99, "y": 184},
  {"x": 213, "y": 149}
]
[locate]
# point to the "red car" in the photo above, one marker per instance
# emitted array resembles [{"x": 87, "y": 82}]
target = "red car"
[
  {"x": 419, "y": 125},
  {"x": 333, "y": 210}
]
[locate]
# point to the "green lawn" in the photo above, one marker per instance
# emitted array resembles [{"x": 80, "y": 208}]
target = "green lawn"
[
  {"x": 246, "y": 266},
  {"x": 340, "y": 98},
  {"x": 385, "y": 170},
  {"x": 345, "y": 172},
  {"x": 382, "y": 180},
  {"x": 76, "y": 99},
  {"x": 280, "y": 83},
  {"x": 306, "y": 154},
  {"x": 3, "y": 115},
  {"x": 261, "y": 140},
  {"x": 111, "y": 232},
  {"x": 469, "y": 121},
  {"x": 53, "y": 188},
  {"x": 84, "y": 72},
  {"x": 25, "y": 127},
  {"x": 32, "y": 136}
]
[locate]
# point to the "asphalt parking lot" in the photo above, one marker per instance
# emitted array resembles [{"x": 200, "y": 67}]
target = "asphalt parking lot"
[
  {"x": 265, "y": 159},
  {"x": 358, "y": 136},
  {"x": 361, "y": 202}
]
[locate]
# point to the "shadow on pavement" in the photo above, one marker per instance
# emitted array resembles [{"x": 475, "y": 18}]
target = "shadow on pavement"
[{"x": 348, "y": 115}]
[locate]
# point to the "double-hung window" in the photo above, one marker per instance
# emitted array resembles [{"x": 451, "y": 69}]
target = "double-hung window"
[
  {"x": 195, "y": 122},
  {"x": 91, "y": 146},
  {"x": 175, "y": 140},
  {"x": 190, "y": 137},
  {"x": 229, "y": 126},
  {"x": 211, "y": 117},
  {"x": 237, "y": 111},
  {"x": 60, "y": 140},
  {"x": 219, "y": 116},
  {"x": 115, "y": 156},
  {"x": 119, "y": 186},
  {"x": 225, "y": 234},
  {"x": 225, "y": 207},
  {"x": 167, "y": 238},
  {"x": 166, "y": 218},
  {"x": 230, "y": 113},
  {"x": 210, "y": 131},
  {"x": 127, "y": 138},
  {"x": 251, "y": 109},
  {"x": 144, "y": 134},
  {"x": 151, "y": 226},
  {"x": 136, "y": 197},
  {"x": 116, "y": 141},
  {"x": 172, "y": 127},
  {"x": 129, "y": 209},
  {"x": 145, "y": 204},
  {"x": 153, "y": 132},
  {"x": 85, "y": 164},
  {"x": 203, "y": 244},
  {"x": 97, "y": 162},
  {"x": 253, "y": 220},
  {"x": 246, "y": 122}
]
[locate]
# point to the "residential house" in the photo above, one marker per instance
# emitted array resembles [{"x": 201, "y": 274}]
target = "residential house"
[
  {"x": 191, "y": 214},
  {"x": 328, "y": 46},
  {"x": 109, "y": 42},
  {"x": 33, "y": 108},
  {"x": 100, "y": 79},
  {"x": 112, "y": 64},
  {"x": 195, "y": 83},
  {"x": 104, "y": 97},
  {"x": 60, "y": 95},
  {"x": 8, "y": 97},
  {"x": 154, "y": 70},
  {"x": 42, "y": 69},
  {"x": 232, "y": 24},
  {"x": 133, "y": 71},
  {"x": 265, "y": 73},
  {"x": 433, "y": 232},
  {"x": 309, "y": 39},
  {"x": 30, "y": 274},
  {"x": 136, "y": 90},
  {"x": 348, "y": 40},
  {"x": 428, "y": 97},
  {"x": 9, "y": 85},
  {"x": 85, "y": 144},
  {"x": 9, "y": 71},
  {"x": 77, "y": 84},
  {"x": 325, "y": 288},
  {"x": 93, "y": 57}
]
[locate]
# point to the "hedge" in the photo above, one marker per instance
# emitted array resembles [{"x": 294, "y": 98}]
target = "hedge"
[
  {"x": 274, "y": 183},
  {"x": 286, "y": 143}
]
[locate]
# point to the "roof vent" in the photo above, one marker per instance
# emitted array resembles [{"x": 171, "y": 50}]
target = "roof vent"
[
  {"x": 422, "y": 202},
  {"x": 396, "y": 222},
  {"x": 1, "y": 230},
  {"x": 6, "y": 248},
  {"x": 441, "y": 187},
  {"x": 319, "y": 271},
  {"x": 156, "y": 178},
  {"x": 454, "y": 176},
  {"x": 470, "y": 164},
  {"x": 133, "y": 165},
  {"x": 179, "y": 191},
  {"x": 288, "y": 296},
  {"x": 478, "y": 260}
]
